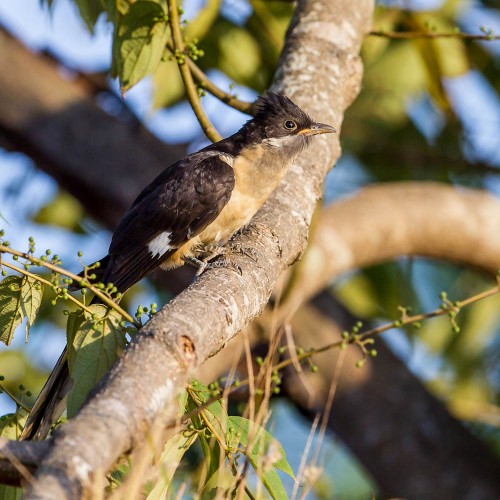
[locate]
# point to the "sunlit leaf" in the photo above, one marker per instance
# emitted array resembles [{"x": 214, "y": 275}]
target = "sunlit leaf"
[
  {"x": 90, "y": 10},
  {"x": 201, "y": 24},
  {"x": 397, "y": 73},
  {"x": 12, "y": 424},
  {"x": 168, "y": 85},
  {"x": 19, "y": 299},
  {"x": 94, "y": 347},
  {"x": 260, "y": 441},
  {"x": 142, "y": 35},
  {"x": 234, "y": 51},
  {"x": 219, "y": 484},
  {"x": 169, "y": 461},
  {"x": 449, "y": 53},
  {"x": 63, "y": 211}
]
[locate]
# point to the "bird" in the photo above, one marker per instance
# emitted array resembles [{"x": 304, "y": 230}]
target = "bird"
[{"x": 190, "y": 211}]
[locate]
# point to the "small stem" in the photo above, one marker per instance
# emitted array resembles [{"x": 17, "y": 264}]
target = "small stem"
[
  {"x": 45, "y": 282},
  {"x": 17, "y": 401},
  {"x": 106, "y": 300},
  {"x": 207, "y": 84},
  {"x": 187, "y": 77},
  {"x": 389, "y": 326},
  {"x": 374, "y": 331},
  {"x": 405, "y": 35}
]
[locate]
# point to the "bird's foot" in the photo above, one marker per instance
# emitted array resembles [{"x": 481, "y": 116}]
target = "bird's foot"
[
  {"x": 220, "y": 262},
  {"x": 244, "y": 250},
  {"x": 217, "y": 262}
]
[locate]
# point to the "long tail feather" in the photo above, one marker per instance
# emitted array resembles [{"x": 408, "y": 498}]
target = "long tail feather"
[{"x": 51, "y": 401}]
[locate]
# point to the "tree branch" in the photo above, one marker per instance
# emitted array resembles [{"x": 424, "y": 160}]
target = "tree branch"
[
  {"x": 408, "y": 35},
  {"x": 187, "y": 78},
  {"x": 323, "y": 35},
  {"x": 19, "y": 459},
  {"x": 207, "y": 84},
  {"x": 57, "y": 123},
  {"x": 411, "y": 218}
]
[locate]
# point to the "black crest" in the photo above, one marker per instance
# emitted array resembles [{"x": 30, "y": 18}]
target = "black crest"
[{"x": 272, "y": 105}]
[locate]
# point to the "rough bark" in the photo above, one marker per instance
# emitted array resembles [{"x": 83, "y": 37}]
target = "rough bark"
[
  {"x": 83, "y": 177},
  {"x": 324, "y": 38}
]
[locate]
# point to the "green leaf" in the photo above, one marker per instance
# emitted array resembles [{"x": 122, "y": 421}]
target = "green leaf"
[
  {"x": 168, "y": 85},
  {"x": 10, "y": 493},
  {"x": 169, "y": 461},
  {"x": 201, "y": 24},
  {"x": 264, "y": 453},
  {"x": 270, "y": 478},
  {"x": 94, "y": 346},
  {"x": 19, "y": 299},
  {"x": 262, "y": 442},
  {"x": 12, "y": 424},
  {"x": 62, "y": 211},
  {"x": 142, "y": 35},
  {"x": 215, "y": 415},
  {"x": 90, "y": 10}
]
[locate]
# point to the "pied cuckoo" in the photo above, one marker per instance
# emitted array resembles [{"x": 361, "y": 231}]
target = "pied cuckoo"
[{"x": 190, "y": 211}]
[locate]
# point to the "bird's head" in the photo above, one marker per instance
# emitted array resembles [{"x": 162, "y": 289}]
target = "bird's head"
[{"x": 283, "y": 126}]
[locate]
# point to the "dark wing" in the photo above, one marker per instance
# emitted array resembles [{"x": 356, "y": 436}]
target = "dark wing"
[{"x": 176, "y": 207}]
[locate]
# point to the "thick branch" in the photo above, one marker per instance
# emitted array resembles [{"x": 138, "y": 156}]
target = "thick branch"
[
  {"x": 324, "y": 39},
  {"x": 57, "y": 122},
  {"x": 385, "y": 221}
]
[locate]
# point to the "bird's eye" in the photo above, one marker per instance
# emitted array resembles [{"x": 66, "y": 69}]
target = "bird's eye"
[{"x": 290, "y": 125}]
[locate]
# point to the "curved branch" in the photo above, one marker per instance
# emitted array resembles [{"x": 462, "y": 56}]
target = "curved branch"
[
  {"x": 324, "y": 37},
  {"x": 186, "y": 75},
  {"x": 207, "y": 84},
  {"x": 385, "y": 221}
]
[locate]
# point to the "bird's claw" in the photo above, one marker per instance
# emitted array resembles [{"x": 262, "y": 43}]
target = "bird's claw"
[
  {"x": 217, "y": 262},
  {"x": 223, "y": 261},
  {"x": 244, "y": 250}
]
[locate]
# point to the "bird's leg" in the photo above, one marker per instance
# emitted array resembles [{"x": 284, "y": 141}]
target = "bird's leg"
[
  {"x": 213, "y": 251},
  {"x": 201, "y": 265}
]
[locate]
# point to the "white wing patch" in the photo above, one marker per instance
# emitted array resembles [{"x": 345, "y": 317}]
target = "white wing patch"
[
  {"x": 227, "y": 159},
  {"x": 160, "y": 244}
]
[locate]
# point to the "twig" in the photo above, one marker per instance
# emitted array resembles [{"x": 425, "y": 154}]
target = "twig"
[
  {"x": 18, "y": 402},
  {"x": 389, "y": 326},
  {"x": 45, "y": 282},
  {"x": 208, "y": 85},
  {"x": 34, "y": 260},
  {"x": 187, "y": 77},
  {"x": 361, "y": 336},
  {"x": 407, "y": 320},
  {"x": 405, "y": 35}
]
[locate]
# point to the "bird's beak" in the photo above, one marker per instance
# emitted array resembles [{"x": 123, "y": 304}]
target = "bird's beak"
[{"x": 318, "y": 128}]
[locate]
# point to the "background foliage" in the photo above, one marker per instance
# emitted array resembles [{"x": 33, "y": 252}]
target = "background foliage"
[{"x": 429, "y": 109}]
